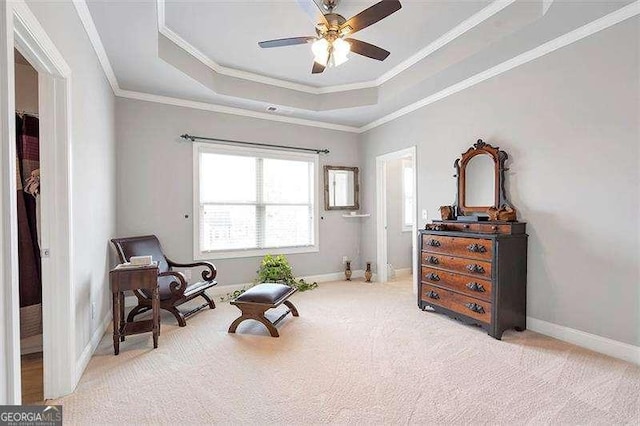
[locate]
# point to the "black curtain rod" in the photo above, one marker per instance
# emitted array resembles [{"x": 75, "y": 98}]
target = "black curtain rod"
[{"x": 294, "y": 148}]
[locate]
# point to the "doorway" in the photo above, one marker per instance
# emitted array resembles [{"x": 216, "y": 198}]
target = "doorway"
[
  {"x": 21, "y": 30},
  {"x": 396, "y": 208},
  {"x": 28, "y": 203}
]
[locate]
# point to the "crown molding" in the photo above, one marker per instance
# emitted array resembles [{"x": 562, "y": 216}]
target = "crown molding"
[
  {"x": 92, "y": 32},
  {"x": 593, "y": 27},
  {"x": 466, "y": 25},
  {"x": 129, "y": 94},
  {"x": 445, "y": 39},
  {"x": 578, "y": 34}
]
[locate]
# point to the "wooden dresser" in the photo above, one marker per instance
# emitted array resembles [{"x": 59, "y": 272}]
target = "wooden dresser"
[{"x": 476, "y": 272}]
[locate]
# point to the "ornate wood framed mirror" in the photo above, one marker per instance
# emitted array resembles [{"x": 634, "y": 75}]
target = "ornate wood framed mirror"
[
  {"x": 341, "y": 188},
  {"x": 480, "y": 173}
]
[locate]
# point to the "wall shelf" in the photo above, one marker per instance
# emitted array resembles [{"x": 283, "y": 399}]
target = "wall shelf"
[{"x": 356, "y": 215}]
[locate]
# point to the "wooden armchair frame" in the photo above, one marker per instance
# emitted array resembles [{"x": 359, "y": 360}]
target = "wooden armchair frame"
[{"x": 179, "y": 291}]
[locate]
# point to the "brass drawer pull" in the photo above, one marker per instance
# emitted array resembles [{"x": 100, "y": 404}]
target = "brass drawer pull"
[
  {"x": 475, "y": 307},
  {"x": 433, "y": 243},
  {"x": 475, "y": 268},
  {"x": 433, "y": 295},
  {"x": 476, "y": 248},
  {"x": 433, "y": 277},
  {"x": 433, "y": 260},
  {"x": 476, "y": 287}
]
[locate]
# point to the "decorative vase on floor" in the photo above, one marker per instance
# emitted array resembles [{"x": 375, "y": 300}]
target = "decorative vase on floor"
[
  {"x": 347, "y": 271},
  {"x": 368, "y": 274}
]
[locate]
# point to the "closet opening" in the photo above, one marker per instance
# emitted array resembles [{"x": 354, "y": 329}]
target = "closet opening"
[{"x": 29, "y": 229}]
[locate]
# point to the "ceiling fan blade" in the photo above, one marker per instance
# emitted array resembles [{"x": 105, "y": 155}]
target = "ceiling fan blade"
[
  {"x": 314, "y": 11},
  {"x": 292, "y": 41},
  {"x": 369, "y": 50},
  {"x": 317, "y": 68},
  {"x": 372, "y": 15}
]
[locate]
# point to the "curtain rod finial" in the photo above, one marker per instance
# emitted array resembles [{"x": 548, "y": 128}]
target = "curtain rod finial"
[{"x": 188, "y": 136}]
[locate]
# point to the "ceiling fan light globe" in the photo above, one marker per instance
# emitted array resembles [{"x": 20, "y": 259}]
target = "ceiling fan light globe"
[
  {"x": 321, "y": 60},
  {"x": 339, "y": 59},
  {"x": 320, "y": 49},
  {"x": 341, "y": 47}
]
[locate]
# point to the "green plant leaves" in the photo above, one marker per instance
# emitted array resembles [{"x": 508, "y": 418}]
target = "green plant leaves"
[{"x": 274, "y": 269}]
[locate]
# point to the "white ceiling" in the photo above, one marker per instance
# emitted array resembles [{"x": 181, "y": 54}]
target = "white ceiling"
[
  {"x": 228, "y": 32},
  {"x": 225, "y": 34}
]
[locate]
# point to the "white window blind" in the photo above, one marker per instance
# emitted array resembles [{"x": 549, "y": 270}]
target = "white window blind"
[{"x": 252, "y": 201}]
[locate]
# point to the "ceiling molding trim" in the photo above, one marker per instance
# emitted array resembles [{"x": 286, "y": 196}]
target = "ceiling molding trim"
[
  {"x": 457, "y": 31},
  {"x": 92, "y": 32},
  {"x": 231, "y": 72},
  {"x": 466, "y": 25},
  {"x": 148, "y": 97},
  {"x": 578, "y": 34}
]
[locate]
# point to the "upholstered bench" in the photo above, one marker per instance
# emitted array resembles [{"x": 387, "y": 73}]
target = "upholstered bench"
[{"x": 258, "y": 299}]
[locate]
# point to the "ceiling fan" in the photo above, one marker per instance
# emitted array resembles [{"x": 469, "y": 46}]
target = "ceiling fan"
[{"x": 332, "y": 43}]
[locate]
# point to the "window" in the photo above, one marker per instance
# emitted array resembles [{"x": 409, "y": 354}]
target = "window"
[
  {"x": 250, "y": 202},
  {"x": 408, "y": 203}
]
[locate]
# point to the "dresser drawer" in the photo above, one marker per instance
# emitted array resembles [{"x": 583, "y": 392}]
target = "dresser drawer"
[
  {"x": 472, "y": 286},
  {"x": 476, "y": 268},
  {"x": 474, "y": 308},
  {"x": 480, "y": 227},
  {"x": 474, "y": 248}
]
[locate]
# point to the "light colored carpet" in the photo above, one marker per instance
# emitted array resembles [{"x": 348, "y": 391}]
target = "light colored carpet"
[{"x": 358, "y": 353}]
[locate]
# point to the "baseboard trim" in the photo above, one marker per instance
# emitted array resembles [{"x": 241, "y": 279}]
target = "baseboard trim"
[
  {"x": 223, "y": 290},
  {"x": 91, "y": 347},
  {"x": 614, "y": 348}
]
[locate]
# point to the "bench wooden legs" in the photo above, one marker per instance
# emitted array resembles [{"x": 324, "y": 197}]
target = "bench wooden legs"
[
  {"x": 292, "y": 308},
  {"x": 256, "y": 312}
]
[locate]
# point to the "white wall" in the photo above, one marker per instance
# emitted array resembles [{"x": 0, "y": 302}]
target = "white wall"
[
  {"x": 399, "y": 247},
  {"x": 93, "y": 165},
  {"x": 570, "y": 124},
  {"x": 155, "y": 181}
]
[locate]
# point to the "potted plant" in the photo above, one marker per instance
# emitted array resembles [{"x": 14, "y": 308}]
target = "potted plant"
[{"x": 276, "y": 269}]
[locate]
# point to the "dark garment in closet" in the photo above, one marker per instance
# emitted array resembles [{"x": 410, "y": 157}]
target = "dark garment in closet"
[{"x": 28, "y": 160}]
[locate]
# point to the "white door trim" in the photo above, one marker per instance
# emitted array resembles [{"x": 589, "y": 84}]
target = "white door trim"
[
  {"x": 21, "y": 29},
  {"x": 381, "y": 212}
]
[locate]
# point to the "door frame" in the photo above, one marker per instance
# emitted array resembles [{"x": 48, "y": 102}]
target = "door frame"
[
  {"x": 381, "y": 213},
  {"x": 20, "y": 29}
]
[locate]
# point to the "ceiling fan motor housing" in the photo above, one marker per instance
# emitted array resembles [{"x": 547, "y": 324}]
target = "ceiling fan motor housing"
[{"x": 333, "y": 31}]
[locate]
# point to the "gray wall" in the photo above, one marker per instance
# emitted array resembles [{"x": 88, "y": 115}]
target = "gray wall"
[
  {"x": 93, "y": 164},
  {"x": 398, "y": 241},
  {"x": 155, "y": 188},
  {"x": 570, "y": 124}
]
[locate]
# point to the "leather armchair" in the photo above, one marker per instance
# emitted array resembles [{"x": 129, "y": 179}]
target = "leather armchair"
[{"x": 173, "y": 288}]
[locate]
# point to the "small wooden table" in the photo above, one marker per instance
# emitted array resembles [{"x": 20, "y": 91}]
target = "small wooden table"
[{"x": 123, "y": 279}]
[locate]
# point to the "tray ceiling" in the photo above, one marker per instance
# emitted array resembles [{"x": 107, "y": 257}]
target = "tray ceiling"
[
  {"x": 212, "y": 55},
  {"x": 228, "y": 32}
]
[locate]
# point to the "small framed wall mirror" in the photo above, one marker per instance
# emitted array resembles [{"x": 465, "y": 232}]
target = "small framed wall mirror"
[{"x": 341, "y": 188}]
